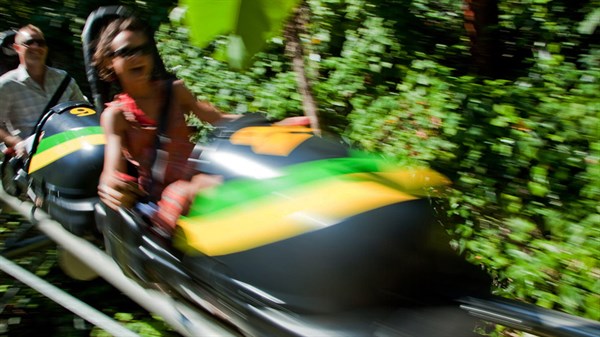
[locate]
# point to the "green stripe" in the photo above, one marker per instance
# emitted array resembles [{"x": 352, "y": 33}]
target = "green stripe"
[
  {"x": 49, "y": 142},
  {"x": 239, "y": 191}
]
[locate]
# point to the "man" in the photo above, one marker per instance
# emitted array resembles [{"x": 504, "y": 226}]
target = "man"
[{"x": 25, "y": 91}]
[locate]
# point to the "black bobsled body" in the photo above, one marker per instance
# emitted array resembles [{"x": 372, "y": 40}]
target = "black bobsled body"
[{"x": 345, "y": 262}]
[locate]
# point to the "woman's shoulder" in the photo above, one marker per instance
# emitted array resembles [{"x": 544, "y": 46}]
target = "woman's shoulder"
[
  {"x": 179, "y": 86},
  {"x": 178, "y": 82},
  {"x": 118, "y": 102}
]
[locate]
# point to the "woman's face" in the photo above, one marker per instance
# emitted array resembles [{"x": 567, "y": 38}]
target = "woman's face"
[{"x": 132, "y": 58}]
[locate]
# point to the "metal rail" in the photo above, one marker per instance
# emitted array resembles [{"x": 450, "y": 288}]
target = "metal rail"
[
  {"x": 66, "y": 300},
  {"x": 185, "y": 319}
]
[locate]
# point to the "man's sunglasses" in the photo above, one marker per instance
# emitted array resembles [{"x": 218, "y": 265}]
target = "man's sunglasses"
[
  {"x": 31, "y": 42},
  {"x": 127, "y": 51}
]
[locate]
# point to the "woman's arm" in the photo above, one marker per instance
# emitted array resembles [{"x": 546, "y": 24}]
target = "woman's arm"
[
  {"x": 115, "y": 189},
  {"x": 202, "y": 109}
]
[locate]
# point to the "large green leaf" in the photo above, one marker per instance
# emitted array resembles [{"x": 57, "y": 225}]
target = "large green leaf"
[{"x": 249, "y": 24}]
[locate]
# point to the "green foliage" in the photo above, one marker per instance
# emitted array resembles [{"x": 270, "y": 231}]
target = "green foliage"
[
  {"x": 249, "y": 25},
  {"x": 139, "y": 325},
  {"x": 202, "y": 129},
  {"x": 529, "y": 163},
  {"x": 267, "y": 86}
]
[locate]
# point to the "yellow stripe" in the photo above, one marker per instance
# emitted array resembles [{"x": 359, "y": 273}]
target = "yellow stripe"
[
  {"x": 415, "y": 181},
  {"x": 41, "y": 160},
  {"x": 283, "y": 216}
]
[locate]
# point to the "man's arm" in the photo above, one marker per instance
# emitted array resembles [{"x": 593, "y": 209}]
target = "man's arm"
[
  {"x": 9, "y": 139},
  {"x": 5, "y": 136}
]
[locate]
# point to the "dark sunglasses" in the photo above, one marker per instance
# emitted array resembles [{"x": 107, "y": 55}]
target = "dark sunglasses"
[
  {"x": 31, "y": 42},
  {"x": 127, "y": 51}
]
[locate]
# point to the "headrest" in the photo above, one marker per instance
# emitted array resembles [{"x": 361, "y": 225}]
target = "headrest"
[{"x": 7, "y": 38}]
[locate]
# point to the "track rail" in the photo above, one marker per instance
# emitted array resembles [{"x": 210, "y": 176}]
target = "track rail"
[
  {"x": 185, "y": 319},
  {"x": 66, "y": 300}
]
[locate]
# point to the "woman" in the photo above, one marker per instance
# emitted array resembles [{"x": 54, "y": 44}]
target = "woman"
[{"x": 132, "y": 121}]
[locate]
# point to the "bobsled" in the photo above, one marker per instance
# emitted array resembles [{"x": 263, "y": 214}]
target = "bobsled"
[
  {"x": 305, "y": 236},
  {"x": 60, "y": 173}
]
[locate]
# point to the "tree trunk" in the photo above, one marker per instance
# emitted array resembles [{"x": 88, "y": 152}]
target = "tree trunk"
[
  {"x": 294, "y": 29},
  {"x": 481, "y": 19}
]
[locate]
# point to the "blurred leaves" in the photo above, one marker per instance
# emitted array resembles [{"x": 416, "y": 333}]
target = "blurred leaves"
[{"x": 248, "y": 23}]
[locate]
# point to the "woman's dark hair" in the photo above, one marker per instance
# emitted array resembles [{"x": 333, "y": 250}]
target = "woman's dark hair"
[{"x": 103, "y": 54}]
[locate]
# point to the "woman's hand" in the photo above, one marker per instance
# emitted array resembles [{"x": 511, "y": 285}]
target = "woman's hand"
[
  {"x": 294, "y": 121},
  {"x": 178, "y": 196},
  {"x": 119, "y": 190}
]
